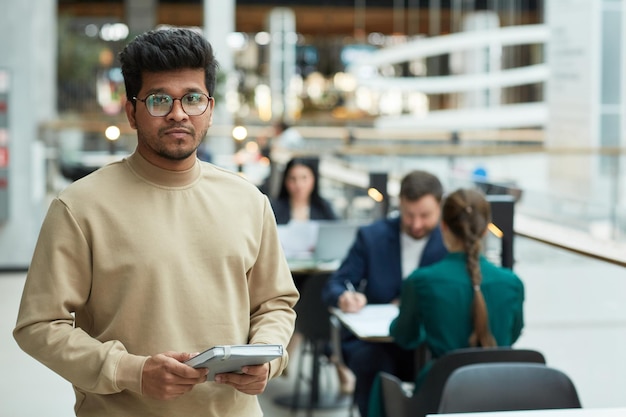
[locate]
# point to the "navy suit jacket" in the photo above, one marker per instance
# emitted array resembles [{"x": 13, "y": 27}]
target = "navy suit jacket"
[{"x": 373, "y": 264}]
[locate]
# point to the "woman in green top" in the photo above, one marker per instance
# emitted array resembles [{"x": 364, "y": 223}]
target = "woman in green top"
[{"x": 463, "y": 300}]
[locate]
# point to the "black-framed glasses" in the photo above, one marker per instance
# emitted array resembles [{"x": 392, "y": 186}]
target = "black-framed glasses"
[{"x": 159, "y": 105}]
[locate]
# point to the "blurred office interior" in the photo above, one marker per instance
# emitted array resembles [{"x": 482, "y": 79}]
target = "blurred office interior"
[{"x": 522, "y": 98}]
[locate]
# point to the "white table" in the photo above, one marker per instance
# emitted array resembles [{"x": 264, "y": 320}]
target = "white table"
[{"x": 570, "y": 412}]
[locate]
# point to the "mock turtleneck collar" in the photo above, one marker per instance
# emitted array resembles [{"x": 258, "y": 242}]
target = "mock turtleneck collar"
[{"x": 160, "y": 176}]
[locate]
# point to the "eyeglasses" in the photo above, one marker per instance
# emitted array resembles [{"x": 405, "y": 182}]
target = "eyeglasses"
[{"x": 159, "y": 105}]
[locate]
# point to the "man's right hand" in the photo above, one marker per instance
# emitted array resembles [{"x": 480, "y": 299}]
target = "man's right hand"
[
  {"x": 351, "y": 301},
  {"x": 165, "y": 377}
]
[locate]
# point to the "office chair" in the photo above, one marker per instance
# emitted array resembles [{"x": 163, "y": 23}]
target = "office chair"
[
  {"x": 400, "y": 400},
  {"x": 507, "y": 387}
]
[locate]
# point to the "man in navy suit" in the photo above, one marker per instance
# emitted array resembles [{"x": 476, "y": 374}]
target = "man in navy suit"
[{"x": 383, "y": 254}]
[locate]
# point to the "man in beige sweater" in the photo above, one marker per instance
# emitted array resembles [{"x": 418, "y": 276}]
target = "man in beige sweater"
[{"x": 158, "y": 256}]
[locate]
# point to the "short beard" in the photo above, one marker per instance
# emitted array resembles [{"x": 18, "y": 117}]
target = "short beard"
[
  {"x": 179, "y": 155},
  {"x": 425, "y": 233},
  {"x": 175, "y": 157}
]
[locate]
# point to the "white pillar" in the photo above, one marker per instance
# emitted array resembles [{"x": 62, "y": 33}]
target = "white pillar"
[
  {"x": 585, "y": 55},
  {"x": 584, "y": 51},
  {"x": 219, "y": 23},
  {"x": 572, "y": 56},
  {"x": 28, "y": 97},
  {"x": 483, "y": 60},
  {"x": 140, "y": 15},
  {"x": 282, "y": 27}
]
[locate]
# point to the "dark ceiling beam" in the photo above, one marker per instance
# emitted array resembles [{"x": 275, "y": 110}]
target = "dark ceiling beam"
[{"x": 310, "y": 20}]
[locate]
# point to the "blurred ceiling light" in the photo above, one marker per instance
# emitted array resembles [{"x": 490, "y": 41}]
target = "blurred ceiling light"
[
  {"x": 364, "y": 100},
  {"x": 112, "y": 133},
  {"x": 417, "y": 67},
  {"x": 296, "y": 84},
  {"x": 315, "y": 77},
  {"x": 263, "y": 101},
  {"x": 240, "y": 133},
  {"x": 376, "y": 38},
  {"x": 252, "y": 147},
  {"x": 375, "y": 195},
  {"x": 391, "y": 102},
  {"x": 291, "y": 38},
  {"x": 345, "y": 81},
  {"x": 262, "y": 38},
  {"x": 417, "y": 103},
  {"x": 91, "y": 30},
  {"x": 315, "y": 91},
  {"x": 114, "y": 32},
  {"x": 495, "y": 230},
  {"x": 315, "y": 85},
  {"x": 237, "y": 40}
]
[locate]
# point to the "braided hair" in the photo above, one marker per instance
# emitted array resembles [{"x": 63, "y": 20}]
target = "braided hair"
[{"x": 467, "y": 214}]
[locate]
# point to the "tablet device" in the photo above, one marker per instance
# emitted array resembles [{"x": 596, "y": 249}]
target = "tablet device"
[{"x": 231, "y": 358}]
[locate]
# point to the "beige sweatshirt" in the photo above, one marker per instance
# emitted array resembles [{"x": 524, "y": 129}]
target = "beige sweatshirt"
[{"x": 134, "y": 260}]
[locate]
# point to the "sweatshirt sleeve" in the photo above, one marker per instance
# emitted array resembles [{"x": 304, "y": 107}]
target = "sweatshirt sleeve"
[
  {"x": 272, "y": 292},
  {"x": 57, "y": 286}
]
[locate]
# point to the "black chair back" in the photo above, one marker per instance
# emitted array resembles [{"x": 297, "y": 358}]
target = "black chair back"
[
  {"x": 426, "y": 399},
  {"x": 507, "y": 387}
]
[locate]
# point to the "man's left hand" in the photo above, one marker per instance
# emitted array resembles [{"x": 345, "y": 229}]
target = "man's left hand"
[{"x": 252, "y": 381}]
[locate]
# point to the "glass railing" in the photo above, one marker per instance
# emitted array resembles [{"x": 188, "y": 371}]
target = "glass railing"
[{"x": 578, "y": 190}]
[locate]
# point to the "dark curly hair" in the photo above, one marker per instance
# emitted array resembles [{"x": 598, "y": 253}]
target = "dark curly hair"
[{"x": 166, "y": 50}]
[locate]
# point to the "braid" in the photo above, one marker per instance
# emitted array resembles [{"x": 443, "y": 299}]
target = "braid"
[
  {"x": 467, "y": 214},
  {"x": 481, "y": 336}
]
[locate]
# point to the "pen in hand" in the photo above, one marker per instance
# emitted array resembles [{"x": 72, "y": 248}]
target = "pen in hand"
[
  {"x": 351, "y": 301},
  {"x": 349, "y": 286}
]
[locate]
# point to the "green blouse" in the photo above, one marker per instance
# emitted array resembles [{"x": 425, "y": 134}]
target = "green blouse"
[{"x": 436, "y": 303}]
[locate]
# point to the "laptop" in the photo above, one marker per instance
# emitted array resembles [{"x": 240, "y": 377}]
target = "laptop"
[
  {"x": 317, "y": 244},
  {"x": 334, "y": 239}
]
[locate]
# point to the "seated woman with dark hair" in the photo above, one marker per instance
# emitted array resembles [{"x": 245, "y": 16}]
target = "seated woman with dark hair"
[
  {"x": 463, "y": 300},
  {"x": 299, "y": 197},
  {"x": 299, "y": 200}
]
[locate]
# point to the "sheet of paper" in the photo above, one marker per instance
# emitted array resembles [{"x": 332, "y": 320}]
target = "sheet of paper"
[
  {"x": 371, "y": 322},
  {"x": 298, "y": 238}
]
